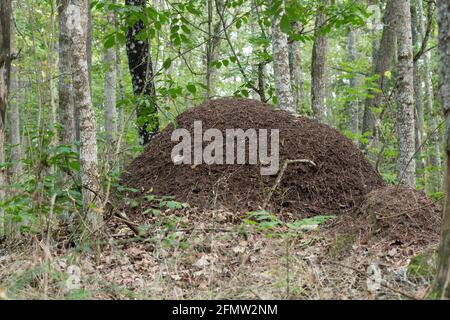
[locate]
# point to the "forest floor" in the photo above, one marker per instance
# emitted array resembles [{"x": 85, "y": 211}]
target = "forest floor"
[
  {"x": 337, "y": 230},
  {"x": 217, "y": 255}
]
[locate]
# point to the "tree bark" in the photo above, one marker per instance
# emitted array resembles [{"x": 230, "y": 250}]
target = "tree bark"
[
  {"x": 5, "y": 69},
  {"x": 318, "y": 61},
  {"x": 13, "y": 103},
  {"x": 405, "y": 93},
  {"x": 65, "y": 89},
  {"x": 417, "y": 36},
  {"x": 295, "y": 70},
  {"x": 441, "y": 284},
  {"x": 433, "y": 178},
  {"x": 383, "y": 63},
  {"x": 212, "y": 46},
  {"x": 77, "y": 12},
  {"x": 353, "y": 105},
  {"x": 283, "y": 89},
  {"x": 141, "y": 69}
]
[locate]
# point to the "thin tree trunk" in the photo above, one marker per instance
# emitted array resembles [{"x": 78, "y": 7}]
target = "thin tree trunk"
[
  {"x": 110, "y": 91},
  {"x": 14, "y": 120},
  {"x": 295, "y": 70},
  {"x": 319, "y": 53},
  {"x": 66, "y": 103},
  {"x": 119, "y": 70},
  {"x": 434, "y": 158},
  {"x": 442, "y": 282},
  {"x": 51, "y": 66},
  {"x": 283, "y": 89},
  {"x": 405, "y": 93},
  {"x": 16, "y": 146},
  {"x": 354, "y": 105},
  {"x": 383, "y": 63},
  {"x": 141, "y": 69},
  {"x": 5, "y": 69},
  {"x": 212, "y": 46},
  {"x": 417, "y": 35},
  {"x": 77, "y": 12}
]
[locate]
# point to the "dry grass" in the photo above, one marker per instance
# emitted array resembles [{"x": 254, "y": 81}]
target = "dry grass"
[{"x": 201, "y": 259}]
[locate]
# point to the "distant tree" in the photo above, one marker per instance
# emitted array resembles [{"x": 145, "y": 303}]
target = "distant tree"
[
  {"x": 141, "y": 69},
  {"x": 382, "y": 63}
]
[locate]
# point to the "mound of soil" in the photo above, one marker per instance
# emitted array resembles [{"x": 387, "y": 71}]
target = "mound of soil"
[
  {"x": 399, "y": 215},
  {"x": 338, "y": 181}
]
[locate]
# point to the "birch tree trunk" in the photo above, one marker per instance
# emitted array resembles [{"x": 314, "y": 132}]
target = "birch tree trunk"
[
  {"x": 441, "y": 284},
  {"x": 318, "y": 61},
  {"x": 283, "y": 89},
  {"x": 66, "y": 103},
  {"x": 5, "y": 69},
  {"x": 77, "y": 12},
  {"x": 141, "y": 69},
  {"x": 405, "y": 93},
  {"x": 110, "y": 91}
]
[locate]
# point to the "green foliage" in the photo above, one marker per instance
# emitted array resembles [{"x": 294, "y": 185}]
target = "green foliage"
[{"x": 265, "y": 221}]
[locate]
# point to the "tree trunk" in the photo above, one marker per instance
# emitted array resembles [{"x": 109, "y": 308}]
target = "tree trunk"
[
  {"x": 433, "y": 183},
  {"x": 295, "y": 70},
  {"x": 442, "y": 282},
  {"x": 212, "y": 46},
  {"x": 14, "y": 121},
  {"x": 405, "y": 92},
  {"x": 354, "y": 105},
  {"x": 417, "y": 36},
  {"x": 141, "y": 69},
  {"x": 110, "y": 92},
  {"x": 119, "y": 70},
  {"x": 318, "y": 61},
  {"x": 5, "y": 69},
  {"x": 51, "y": 66},
  {"x": 16, "y": 147},
  {"x": 77, "y": 12},
  {"x": 383, "y": 63},
  {"x": 66, "y": 104},
  {"x": 283, "y": 89}
]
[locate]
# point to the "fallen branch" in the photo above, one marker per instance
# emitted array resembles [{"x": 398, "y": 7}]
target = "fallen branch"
[{"x": 280, "y": 176}]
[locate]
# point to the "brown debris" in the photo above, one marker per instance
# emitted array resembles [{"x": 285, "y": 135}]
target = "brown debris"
[{"x": 338, "y": 182}]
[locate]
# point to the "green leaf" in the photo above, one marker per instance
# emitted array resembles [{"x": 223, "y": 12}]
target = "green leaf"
[
  {"x": 167, "y": 63},
  {"x": 191, "y": 88},
  {"x": 75, "y": 165},
  {"x": 285, "y": 24},
  {"x": 110, "y": 42}
]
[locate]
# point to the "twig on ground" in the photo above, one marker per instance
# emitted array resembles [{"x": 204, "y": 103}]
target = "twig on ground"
[{"x": 280, "y": 176}]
